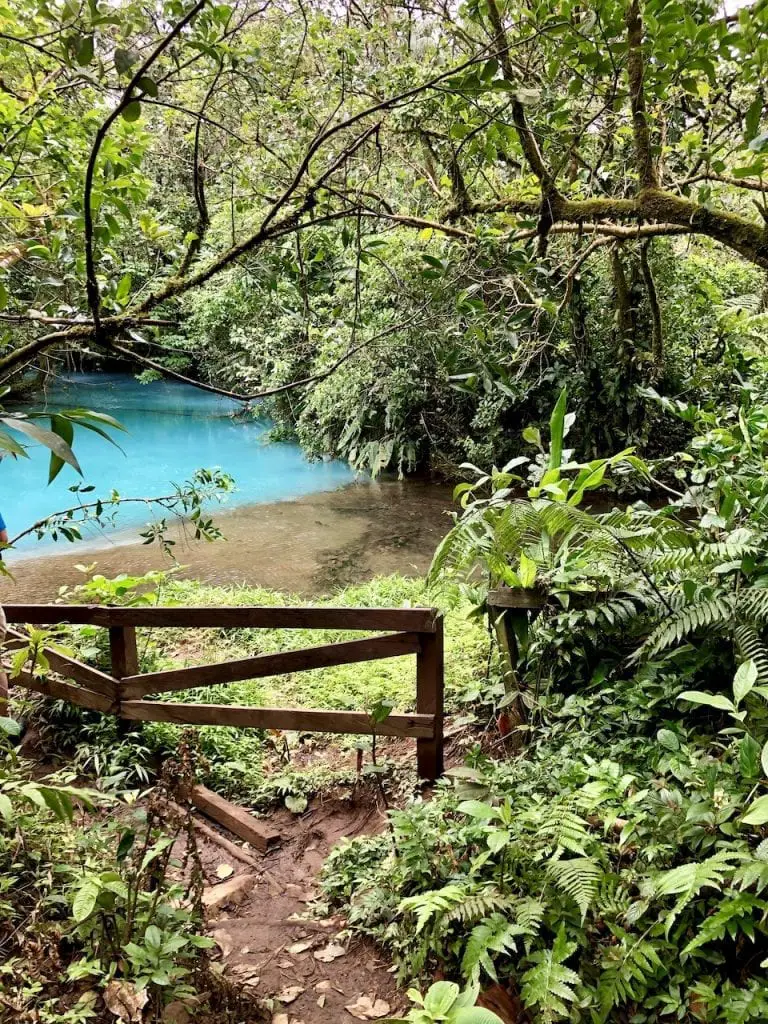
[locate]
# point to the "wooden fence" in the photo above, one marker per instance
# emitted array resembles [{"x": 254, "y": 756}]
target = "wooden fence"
[{"x": 416, "y": 631}]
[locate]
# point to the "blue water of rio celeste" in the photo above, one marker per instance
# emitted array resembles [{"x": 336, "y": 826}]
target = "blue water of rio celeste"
[{"x": 172, "y": 430}]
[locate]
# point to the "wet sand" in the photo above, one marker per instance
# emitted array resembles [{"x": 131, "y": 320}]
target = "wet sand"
[{"x": 308, "y": 546}]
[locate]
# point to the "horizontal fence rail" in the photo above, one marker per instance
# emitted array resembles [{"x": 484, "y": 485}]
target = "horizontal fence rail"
[
  {"x": 419, "y": 620},
  {"x": 417, "y": 631}
]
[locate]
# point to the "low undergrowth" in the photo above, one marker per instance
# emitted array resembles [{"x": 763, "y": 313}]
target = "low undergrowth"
[
  {"x": 618, "y": 871},
  {"x": 100, "y": 903}
]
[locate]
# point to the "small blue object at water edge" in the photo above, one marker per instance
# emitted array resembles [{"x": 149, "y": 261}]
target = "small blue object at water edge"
[{"x": 172, "y": 430}]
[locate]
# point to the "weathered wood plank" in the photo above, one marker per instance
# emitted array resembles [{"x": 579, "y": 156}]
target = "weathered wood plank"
[
  {"x": 237, "y": 819},
  {"x": 286, "y": 719},
  {"x": 61, "y": 690},
  {"x": 347, "y": 653},
  {"x": 123, "y": 652},
  {"x": 417, "y": 620},
  {"x": 89, "y": 677},
  {"x": 512, "y": 597},
  {"x": 429, "y": 701}
]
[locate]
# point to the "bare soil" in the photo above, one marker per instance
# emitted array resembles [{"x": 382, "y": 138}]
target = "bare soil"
[
  {"x": 299, "y": 968},
  {"x": 309, "y": 546}
]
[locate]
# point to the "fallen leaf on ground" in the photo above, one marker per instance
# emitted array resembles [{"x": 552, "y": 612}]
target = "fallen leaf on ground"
[
  {"x": 245, "y": 971},
  {"x": 300, "y": 947},
  {"x": 330, "y": 953},
  {"x": 224, "y": 871},
  {"x": 176, "y": 1013},
  {"x": 323, "y": 986},
  {"x": 123, "y": 1000},
  {"x": 321, "y": 1001},
  {"x": 223, "y": 940},
  {"x": 367, "y": 1009},
  {"x": 280, "y": 1018},
  {"x": 290, "y": 994}
]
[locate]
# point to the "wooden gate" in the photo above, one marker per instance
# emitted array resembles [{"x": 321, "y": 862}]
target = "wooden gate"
[{"x": 416, "y": 631}]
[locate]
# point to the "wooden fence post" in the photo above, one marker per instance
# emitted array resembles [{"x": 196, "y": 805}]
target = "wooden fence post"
[
  {"x": 429, "y": 701},
  {"x": 124, "y": 656}
]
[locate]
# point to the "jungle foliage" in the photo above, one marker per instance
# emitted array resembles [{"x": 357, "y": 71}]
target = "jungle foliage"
[
  {"x": 617, "y": 870},
  {"x": 401, "y": 226},
  {"x": 413, "y": 230}
]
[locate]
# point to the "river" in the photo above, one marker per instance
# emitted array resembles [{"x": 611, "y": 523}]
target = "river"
[{"x": 292, "y": 523}]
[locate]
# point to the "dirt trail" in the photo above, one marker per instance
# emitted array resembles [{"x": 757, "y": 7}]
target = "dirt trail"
[{"x": 269, "y": 953}]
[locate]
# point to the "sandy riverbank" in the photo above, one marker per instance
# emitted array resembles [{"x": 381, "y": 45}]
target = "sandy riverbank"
[{"x": 310, "y": 545}]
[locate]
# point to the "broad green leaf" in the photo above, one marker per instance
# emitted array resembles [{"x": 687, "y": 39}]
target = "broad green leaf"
[
  {"x": 155, "y": 851},
  {"x": 84, "y": 902},
  {"x": 476, "y": 1015},
  {"x": 9, "y": 726},
  {"x": 6, "y": 807},
  {"x": 84, "y": 51},
  {"x": 752, "y": 118},
  {"x": 123, "y": 289},
  {"x": 527, "y": 571},
  {"x": 668, "y": 739},
  {"x": 758, "y": 812},
  {"x": 764, "y": 759},
  {"x": 440, "y": 998},
  {"x": 477, "y": 809},
  {"x": 533, "y": 436},
  {"x": 64, "y": 429},
  {"x": 124, "y": 60},
  {"x": 713, "y": 700},
  {"x": 131, "y": 112},
  {"x": 557, "y": 431},
  {"x": 749, "y": 757},
  {"x": 148, "y": 86},
  {"x": 744, "y": 680},
  {"x": 44, "y": 437}
]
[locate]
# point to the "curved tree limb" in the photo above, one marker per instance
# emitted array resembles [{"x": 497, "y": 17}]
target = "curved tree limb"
[
  {"x": 91, "y": 280},
  {"x": 267, "y": 392}
]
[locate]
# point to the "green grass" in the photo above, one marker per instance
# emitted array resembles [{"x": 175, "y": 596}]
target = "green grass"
[{"x": 239, "y": 760}]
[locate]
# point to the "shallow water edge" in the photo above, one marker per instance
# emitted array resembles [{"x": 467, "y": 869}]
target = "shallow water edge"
[{"x": 308, "y": 546}]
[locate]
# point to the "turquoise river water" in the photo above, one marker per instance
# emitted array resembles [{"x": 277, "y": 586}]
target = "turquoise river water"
[{"x": 172, "y": 430}]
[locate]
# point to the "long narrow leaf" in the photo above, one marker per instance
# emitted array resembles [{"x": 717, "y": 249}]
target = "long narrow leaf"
[{"x": 557, "y": 431}]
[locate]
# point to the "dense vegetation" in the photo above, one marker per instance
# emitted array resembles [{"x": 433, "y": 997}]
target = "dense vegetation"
[
  {"x": 405, "y": 235},
  {"x": 526, "y": 238}
]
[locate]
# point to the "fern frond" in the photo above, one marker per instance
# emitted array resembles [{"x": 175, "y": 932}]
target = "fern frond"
[
  {"x": 548, "y": 985},
  {"x": 734, "y": 915},
  {"x": 434, "y": 903},
  {"x": 753, "y": 872},
  {"x": 477, "y": 906},
  {"x": 714, "y": 612},
  {"x": 752, "y": 648},
  {"x": 752, "y": 604},
  {"x": 529, "y": 913},
  {"x": 563, "y": 830},
  {"x": 687, "y": 880},
  {"x": 627, "y": 971},
  {"x": 496, "y": 935},
  {"x": 578, "y": 878}
]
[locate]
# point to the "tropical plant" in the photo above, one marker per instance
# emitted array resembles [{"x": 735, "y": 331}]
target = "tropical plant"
[{"x": 443, "y": 1001}]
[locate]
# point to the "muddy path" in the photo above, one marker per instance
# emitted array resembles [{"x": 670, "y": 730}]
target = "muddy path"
[
  {"x": 308, "y": 546},
  {"x": 294, "y": 968}
]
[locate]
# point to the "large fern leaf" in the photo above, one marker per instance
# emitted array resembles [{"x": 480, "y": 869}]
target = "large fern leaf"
[
  {"x": 549, "y": 984},
  {"x": 578, "y": 878}
]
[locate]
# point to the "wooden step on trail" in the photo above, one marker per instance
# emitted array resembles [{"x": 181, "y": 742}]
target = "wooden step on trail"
[{"x": 236, "y": 819}]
